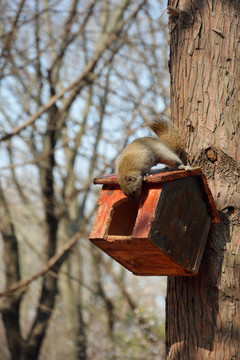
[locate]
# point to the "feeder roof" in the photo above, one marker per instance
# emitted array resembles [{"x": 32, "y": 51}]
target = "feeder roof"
[{"x": 160, "y": 176}]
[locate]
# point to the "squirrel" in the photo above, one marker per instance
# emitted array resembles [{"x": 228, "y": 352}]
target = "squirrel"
[{"x": 139, "y": 156}]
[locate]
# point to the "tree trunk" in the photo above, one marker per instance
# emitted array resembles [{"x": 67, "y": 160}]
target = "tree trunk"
[{"x": 203, "y": 312}]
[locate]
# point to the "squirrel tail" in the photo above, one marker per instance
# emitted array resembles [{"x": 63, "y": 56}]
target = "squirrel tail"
[{"x": 170, "y": 136}]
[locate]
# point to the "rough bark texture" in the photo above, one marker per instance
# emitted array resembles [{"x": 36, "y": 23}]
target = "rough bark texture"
[{"x": 203, "y": 312}]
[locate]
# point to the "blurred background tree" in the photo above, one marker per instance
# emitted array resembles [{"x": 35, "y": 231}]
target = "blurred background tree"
[{"x": 77, "y": 81}]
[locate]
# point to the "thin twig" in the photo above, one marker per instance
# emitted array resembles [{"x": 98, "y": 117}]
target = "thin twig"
[
  {"x": 84, "y": 78},
  {"x": 50, "y": 264}
]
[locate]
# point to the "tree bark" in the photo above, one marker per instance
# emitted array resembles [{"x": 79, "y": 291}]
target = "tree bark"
[
  {"x": 203, "y": 312},
  {"x": 10, "y": 307}
]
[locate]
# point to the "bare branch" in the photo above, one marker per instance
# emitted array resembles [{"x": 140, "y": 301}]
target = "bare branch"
[
  {"x": 50, "y": 264},
  {"x": 8, "y": 39},
  {"x": 56, "y": 259},
  {"x": 83, "y": 79}
]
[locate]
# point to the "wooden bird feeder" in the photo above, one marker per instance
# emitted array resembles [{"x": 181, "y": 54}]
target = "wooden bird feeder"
[{"x": 165, "y": 232}]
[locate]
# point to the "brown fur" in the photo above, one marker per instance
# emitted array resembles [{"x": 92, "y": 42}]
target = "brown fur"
[
  {"x": 143, "y": 153},
  {"x": 168, "y": 134}
]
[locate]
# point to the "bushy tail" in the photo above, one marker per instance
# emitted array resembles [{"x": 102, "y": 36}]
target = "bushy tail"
[{"x": 168, "y": 134}]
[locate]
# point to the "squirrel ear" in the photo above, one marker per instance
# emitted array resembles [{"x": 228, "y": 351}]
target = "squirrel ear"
[{"x": 128, "y": 179}]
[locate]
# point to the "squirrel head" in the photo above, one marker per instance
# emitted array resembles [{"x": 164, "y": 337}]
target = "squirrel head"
[{"x": 131, "y": 185}]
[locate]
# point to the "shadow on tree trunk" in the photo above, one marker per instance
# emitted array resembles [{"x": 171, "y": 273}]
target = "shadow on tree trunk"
[{"x": 195, "y": 300}]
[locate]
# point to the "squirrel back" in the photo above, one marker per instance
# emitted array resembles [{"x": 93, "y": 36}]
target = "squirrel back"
[
  {"x": 143, "y": 153},
  {"x": 170, "y": 136}
]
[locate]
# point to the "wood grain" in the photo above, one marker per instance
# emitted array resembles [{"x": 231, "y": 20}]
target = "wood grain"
[{"x": 165, "y": 232}]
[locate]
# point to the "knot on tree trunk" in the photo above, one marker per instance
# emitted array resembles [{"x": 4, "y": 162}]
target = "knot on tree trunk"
[{"x": 184, "y": 18}]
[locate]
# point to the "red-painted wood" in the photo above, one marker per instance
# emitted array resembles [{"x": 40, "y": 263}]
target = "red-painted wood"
[
  {"x": 161, "y": 234},
  {"x": 166, "y": 176}
]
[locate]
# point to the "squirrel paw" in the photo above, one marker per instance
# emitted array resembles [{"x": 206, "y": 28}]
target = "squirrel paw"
[{"x": 185, "y": 167}]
